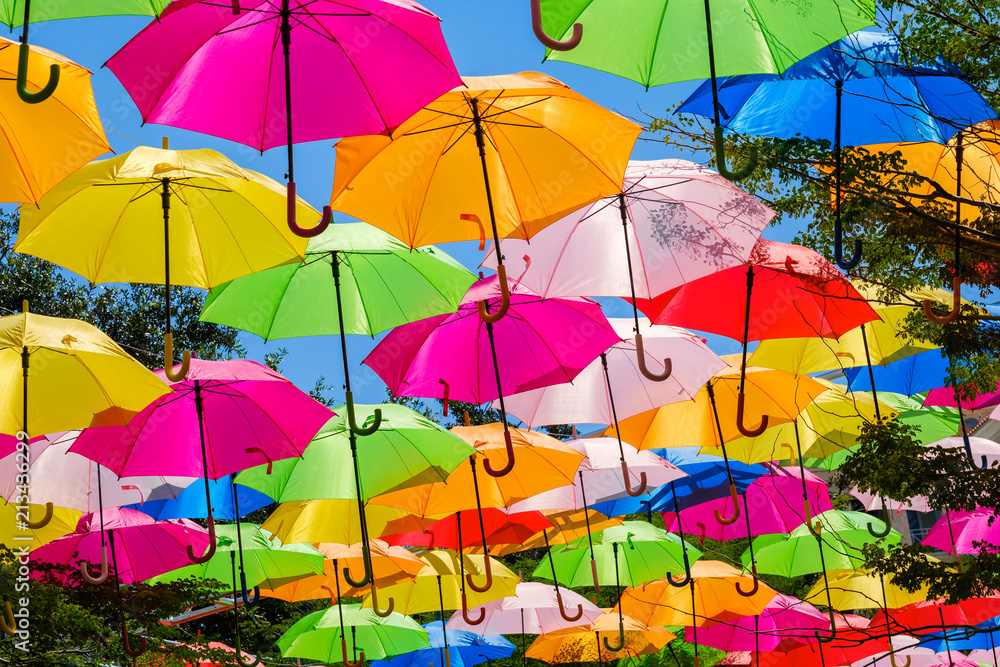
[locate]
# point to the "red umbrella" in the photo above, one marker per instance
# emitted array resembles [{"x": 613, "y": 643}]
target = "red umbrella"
[
  {"x": 848, "y": 647},
  {"x": 499, "y": 527},
  {"x": 934, "y": 615}
]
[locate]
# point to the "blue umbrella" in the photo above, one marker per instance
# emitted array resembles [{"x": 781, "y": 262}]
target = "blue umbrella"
[
  {"x": 463, "y": 648},
  {"x": 190, "y": 503},
  {"x": 963, "y": 639},
  {"x": 910, "y": 375}
]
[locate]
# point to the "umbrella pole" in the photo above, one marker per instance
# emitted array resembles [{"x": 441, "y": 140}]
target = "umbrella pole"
[
  {"x": 741, "y": 399},
  {"x": 826, "y": 585},
  {"x": 878, "y": 416},
  {"x": 753, "y": 559},
  {"x": 951, "y": 534},
  {"x": 503, "y": 409},
  {"x": 25, "y": 363},
  {"x": 947, "y": 642},
  {"x": 461, "y": 576},
  {"x": 621, "y": 618},
  {"x": 838, "y": 230},
  {"x": 640, "y": 352},
  {"x": 621, "y": 449},
  {"x": 239, "y": 546},
  {"x": 722, "y": 443},
  {"x": 84, "y": 567},
  {"x": 555, "y": 580},
  {"x": 135, "y": 653},
  {"x": 168, "y": 336},
  {"x": 680, "y": 532},
  {"x": 447, "y": 658},
  {"x": 50, "y": 86},
  {"x": 199, "y": 407},
  {"x": 888, "y": 628},
  {"x": 482, "y": 534},
  {"x": 802, "y": 475},
  {"x": 956, "y": 282},
  {"x": 694, "y": 619},
  {"x": 524, "y": 640},
  {"x": 590, "y": 539}
]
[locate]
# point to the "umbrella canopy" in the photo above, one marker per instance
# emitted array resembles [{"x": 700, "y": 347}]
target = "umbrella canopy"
[
  {"x": 12, "y": 13},
  {"x": 962, "y": 532},
  {"x": 532, "y": 129},
  {"x": 883, "y": 97},
  {"x": 247, "y": 413},
  {"x": 589, "y": 397},
  {"x": 570, "y": 525},
  {"x": 317, "y": 521},
  {"x": 964, "y": 639},
  {"x": 543, "y": 342},
  {"x": 464, "y": 649},
  {"x": 533, "y": 610},
  {"x": 910, "y": 375},
  {"x": 383, "y": 284},
  {"x": 143, "y": 548},
  {"x": 863, "y": 589},
  {"x": 191, "y": 503},
  {"x": 316, "y": 636},
  {"x": 946, "y": 396},
  {"x": 682, "y": 221},
  {"x": 785, "y": 623},
  {"x": 640, "y": 552},
  {"x": 63, "y": 522},
  {"x": 906, "y": 649},
  {"x": 927, "y": 616},
  {"x": 407, "y": 450},
  {"x": 266, "y": 561},
  {"x": 848, "y": 646},
  {"x": 55, "y": 137},
  {"x": 583, "y": 643},
  {"x": 499, "y": 527}
]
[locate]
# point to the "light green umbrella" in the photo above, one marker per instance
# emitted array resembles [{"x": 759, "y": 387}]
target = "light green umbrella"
[{"x": 350, "y": 635}]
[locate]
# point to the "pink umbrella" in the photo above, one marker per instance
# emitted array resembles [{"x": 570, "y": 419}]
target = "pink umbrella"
[
  {"x": 871, "y": 502},
  {"x": 785, "y": 623},
  {"x": 533, "y": 610},
  {"x": 946, "y": 396},
  {"x": 141, "y": 547},
  {"x": 907, "y": 652},
  {"x": 456, "y": 355},
  {"x": 958, "y": 532},
  {"x": 225, "y": 69}
]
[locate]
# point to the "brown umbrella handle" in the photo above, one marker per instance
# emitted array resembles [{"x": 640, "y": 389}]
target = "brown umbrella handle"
[
  {"x": 736, "y": 506},
  {"x": 641, "y": 358},
  {"x": 554, "y": 44},
  {"x": 135, "y": 653},
  {"x": 750, "y": 433},
  {"x": 956, "y": 304},
  {"x": 258, "y": 450},
  {"x": 562, "y": 609},
  {"x": 628, "y": 482},
  {"x": 301, "y": 231},
  {"x": 465, "y": 613},
  {"x": 379, "y": 612},
  {"x": 7, "y": 622},
  {"x": 194, "y": 558},
  {"x": 488, "y": 573},
  {"x": 44, "y": 521},
  {"x": 343, "y": 649},
  {"x": 510, "y": 458},
  {"x": 168, "y": 360},
  {"x": 497, "y": 315},
  {"x": 753, "y": 589},
  {"x": 593, "y": 571}
]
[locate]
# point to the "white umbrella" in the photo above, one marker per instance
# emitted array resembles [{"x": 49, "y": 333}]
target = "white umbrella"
[{"x": 533, "y": 610}]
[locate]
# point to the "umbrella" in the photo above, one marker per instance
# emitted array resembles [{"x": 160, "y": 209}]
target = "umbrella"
[
  {"x": 785, "y": 623},
  {"x": 191, "y": 503},
  {"x": 915, "y": 656},
  {"x": 864, "y": 589},
  {"x": 910, "y": 375},
  {"x": 146, "y": 548},
  {"x": 313, "y": 636},
  {"x": 466, "y": 649},
  {"x": 963, "y": 639},
  {"x": 583, "y": 643},
  {"x": 500, "y": 527},
  {"x": 38, "y": 159},
  {"x": 369, "y": 66},
  {"x": 927, "y": 616},
  {"x": 961, "y": 532},
  {"x": 104, "y": 222},
  {"x": 532, "y": 610},
  {"x": 63, "y": 522},
  {"x": 570, "y": 525},
  {"x": 316, "y": 521},
  {"x": 849, "y": 645}
]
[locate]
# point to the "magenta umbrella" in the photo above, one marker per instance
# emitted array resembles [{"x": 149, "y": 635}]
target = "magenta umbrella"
[
  {"x": 541, "y": 342},
  {"x": 224, "y": 68},
  {"x": 785, "y": 623},
  {"x": 958, "y": 532},
  {"x": 141, "y": 546}
]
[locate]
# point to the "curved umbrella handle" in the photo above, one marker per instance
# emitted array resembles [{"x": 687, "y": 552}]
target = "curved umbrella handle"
[
  {"x": 740, "y": 405},
  {"x": 347, "y": 663},
  {"x": 885, "y": 518},
  {"x": 103, "y": 576},
  {"x": 621, "y": 639},
  {"x": 628, "y": 482},
  {"x": 985, "y": 464},
  {"x": 133, "y": 487},
  {"x": 791, "y": 452},
  {"x": 469, "y": 619},
  {"x": 562, "y": 608},
  {"x": 489, "y": 577},
  {"x": 247, "y": 602},
  {"x": 593, "y": 572},
  {"x": 510, "y": 458},
  {"x": 194, "y": 558},
  {"x": 379, "y": 612},
  {"x": 366, "y": 559},
  {"x": 554, "y": 44},
  {"x": 258, "y": 450},
  {"x": 135, "y": 653},
  {"x": 444, "y": 399},
  {"x": 168, "y": 360},
  {"x": 687, "y": 574},
  {"x": 7, "y": 622},
  {"x": 497, "y": 315},
  {"x": 361, "y": 431},
  {"x": 823, "y": 639},
  {"x": 736, "y": 508},
  {"x": 892, "y": 659},
  {"x": 302, "y": 231},
  {"x": 44, "y": 521},
  {"x": 22, "y": 78},
  {"x": 753, "y": 590},
  {"x": 956, "y": 304},
  {"x": 281, "y": 524},
  {"x": 814, "y": 529},
  {"x": 668, "y": 366},
  {"x": 838, "y": 247},
  {"x": 704, "y": 533},
  {"x": 720, "y": 159},
  {"x": 239, "y": 654}
]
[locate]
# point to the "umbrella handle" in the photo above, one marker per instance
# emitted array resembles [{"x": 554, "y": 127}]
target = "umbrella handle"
[
  {"x": 823, "y": 639},
  {"x": 791, "y": 452},
  {"x": 135, "y": 653},
  {"x": 838, "y": 247},
  {"x": 628, "y": 482},
  {"x": 239, "y": 654},
  {"x": 133, "y": 487},
  {"x": 687, "y": 574},
  {"x": 247, "y": 602},
  {"x": 44, "y": 521},
  {"x": 103, "y": 576},
  {"x": 510, "y": 458},
  {"x": 444, "y": 399},
  {"x": 379, "y": 612},
  {"x": 465, "y": 613},
  {"x": 236, "y": 7},
  {"x": 593, "y": 571},
  {"x": 343, "y": 650},
  {"x": 194, "y": 558},
  {"x": 302, "y": 231},
  {"x": 368, "y": 571},
  {"x": 753, "y": 590},
  {"x": 621, "y": 639},
  {"x": 361, "y": 431},
  {"x": 562, "y": 609},
  {"x": 497, "y": 315},
  {"x": 641, "y": 358},
  {"x": 258, "y": 450},
  {"x": 740, "y": 405},
  {"x": 168, "y": 360},
  {"x": 489, "y": 577},
  {"x": 720, "y": 159},
  {"x": 736, "y": 507},
  {"x": 814, "y": 529},
  {"x": 888, "y": 528},
  {"x": 704, "y": 532},
  {"x": 7, "y": 622},
  {"x": 22, "y": 78},
  {"x": 956, "y": 304},
  {"x": 554, "y": 44},
  {"x": 892, "y": 659}
]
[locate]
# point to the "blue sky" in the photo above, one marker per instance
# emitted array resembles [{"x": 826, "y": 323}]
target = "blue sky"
[{"x": 484, "y": 38}]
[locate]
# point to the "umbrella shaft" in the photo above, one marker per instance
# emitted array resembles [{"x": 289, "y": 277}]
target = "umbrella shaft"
[
  {"x": 611, "y": 402},
  {"x": 871, "y": 371},
  {"x": 286, "y": 44},
  {"x": 711, "y": 60},
  {"x": 199, "y": 407},
  {"x": 165, "y": 198},
  {"x": 340, "y": 319},
  {"x": 496, "y": 369},
  {"x": 628, "y": 256},
  {"x": 481, "y": 144},
  {"x": 26, "y": 22},
  {"x": 746, "y": 324},
  {"x": 836, "y": 142}
]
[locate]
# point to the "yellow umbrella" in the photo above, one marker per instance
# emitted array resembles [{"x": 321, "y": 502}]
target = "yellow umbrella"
[
  {"x": 163, "y": 217},
  {"x": 63, "y": 523},
  {"x": 320, "y": 521},
  {"x": 863, "y": 589},
  {"x": 44, "y": 143},
  {"x": 583, "y": 643}
]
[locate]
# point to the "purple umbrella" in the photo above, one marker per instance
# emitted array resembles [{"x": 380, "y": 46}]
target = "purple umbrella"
[{"x": 542, "y": 342}]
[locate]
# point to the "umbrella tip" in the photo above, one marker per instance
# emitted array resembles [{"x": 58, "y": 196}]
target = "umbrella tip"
[
  {"x": 24, "y": 306},
  {"x": 166, "y": 144}
]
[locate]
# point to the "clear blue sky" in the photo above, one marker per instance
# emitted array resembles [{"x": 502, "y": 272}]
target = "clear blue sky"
[{"x": 484, "y": 37}]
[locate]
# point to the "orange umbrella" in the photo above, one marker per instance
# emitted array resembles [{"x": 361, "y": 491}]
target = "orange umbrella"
[{"x": 583, "y": 643}]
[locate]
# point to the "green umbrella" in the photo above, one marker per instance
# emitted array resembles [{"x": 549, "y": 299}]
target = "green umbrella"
[
  {"x": 267, "y": 562},
  {"x": 641, "y": 551},
  {"x": 407, "y": 450},
  {"x": 315, "y": 637}
]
